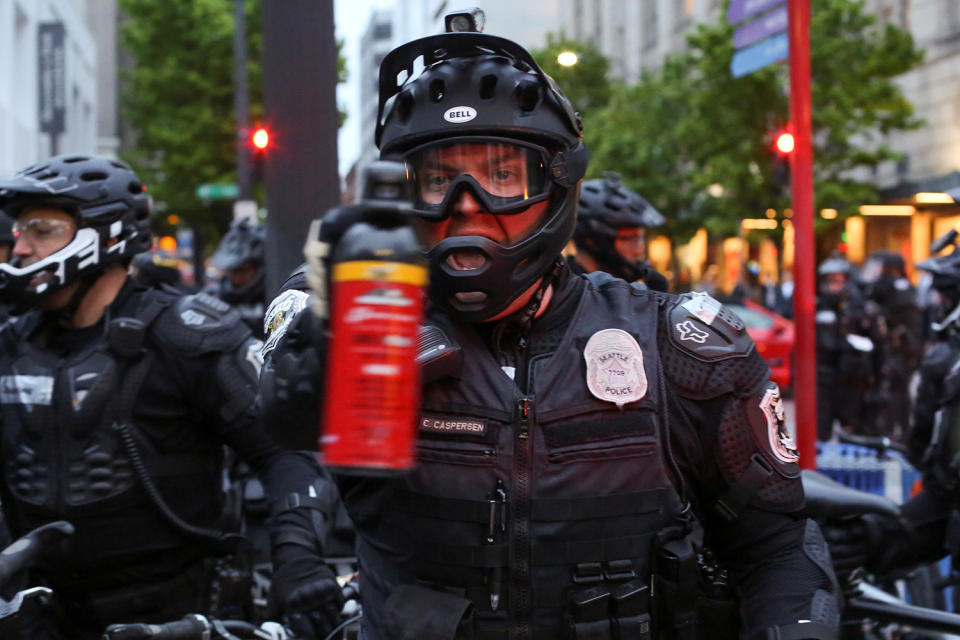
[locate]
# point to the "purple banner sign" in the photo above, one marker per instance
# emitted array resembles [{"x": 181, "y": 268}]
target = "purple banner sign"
[
  {"x": 763, "y": 27},
  {"x": 743, "y": 9}
]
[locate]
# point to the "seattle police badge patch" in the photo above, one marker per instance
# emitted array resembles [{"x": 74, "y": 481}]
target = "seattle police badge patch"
[
  {"x": 615, "y": 367},
  {"x": 782, "y": 443},
  {"x": 279, "y": 315}
]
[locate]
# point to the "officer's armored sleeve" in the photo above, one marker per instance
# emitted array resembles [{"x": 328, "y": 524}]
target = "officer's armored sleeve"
[
  {"x": 214, "y": 351},
  {"x": 933, "y": 370},
  {"x": 738, "y": 465}
]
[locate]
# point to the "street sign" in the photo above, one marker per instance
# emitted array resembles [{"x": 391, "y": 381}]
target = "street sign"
[
  {"x": 51, "y": 97},
  {"x": 218, "y": 191},
  {"x": 743, "y": 9},
  {"x": 763, "y": 27},
  {"x": 760, "y": 55}
]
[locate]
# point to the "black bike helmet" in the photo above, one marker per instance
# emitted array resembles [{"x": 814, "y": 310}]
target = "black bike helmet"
[
  {"x": 606, "y": 206},
  {"x": 478, "y": 88},
  {"x": 155, "y": 268},
  {"x": 243, "y": 242},
  {"x": 112, "y": 213},
  {"x": 945, "y": 268}
]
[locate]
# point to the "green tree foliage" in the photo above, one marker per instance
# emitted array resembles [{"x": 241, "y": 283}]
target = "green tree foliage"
[
  {"x": 691, "y": 124},
  {"x": 587, "y": 83},
  {"x": 179, "y": 98}
]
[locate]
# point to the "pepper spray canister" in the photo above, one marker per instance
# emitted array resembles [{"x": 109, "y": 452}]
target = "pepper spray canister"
[{"x": 378, "y": 278}]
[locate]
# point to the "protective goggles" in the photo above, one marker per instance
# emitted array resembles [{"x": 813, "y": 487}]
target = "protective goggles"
[
  {"x": 39, "y": 229},
  {"x": 505, "y": 176}
]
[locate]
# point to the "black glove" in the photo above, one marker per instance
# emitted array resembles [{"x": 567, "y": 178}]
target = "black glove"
[
  {"x": 870, "y": 541},
  {"x": 305, "y": 595}
]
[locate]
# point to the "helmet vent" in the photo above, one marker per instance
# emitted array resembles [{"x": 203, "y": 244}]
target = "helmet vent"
[
  {"x": 76, "y": 159},
  {"x": 119, "y": 165},
  {"x": 488, "y": 85},
  {"x": 404, "y": 106},
  {"x": 528, "y": 95},
  {"x": 93, "y": 176},
  {"x": 46, "y": 175},
  {"x": 36, "y": 169},
  {"x": 437, "y": 90},
  {"x": 135, "y": 187}
]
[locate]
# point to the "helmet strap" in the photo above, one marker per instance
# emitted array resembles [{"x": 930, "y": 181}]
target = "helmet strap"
[
  {"x": 518, "y": 323},
  {"x": 66, "y": 313}
]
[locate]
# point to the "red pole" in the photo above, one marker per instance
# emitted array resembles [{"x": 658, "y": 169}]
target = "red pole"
[{"x": 801, "y": 172}]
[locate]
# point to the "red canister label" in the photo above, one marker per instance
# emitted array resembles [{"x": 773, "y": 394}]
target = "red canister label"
[{"x": 373, "y": 387}]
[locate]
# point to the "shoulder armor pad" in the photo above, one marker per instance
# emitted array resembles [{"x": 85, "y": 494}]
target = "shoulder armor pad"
[
  {"x": 280, "y": 315},
  {"x": 706, "y": 349},
  {"x": 707, "y": 330},
  {"x": 200, "y": 323}
]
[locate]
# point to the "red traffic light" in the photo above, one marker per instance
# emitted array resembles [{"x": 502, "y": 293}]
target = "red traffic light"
[
  {"x": 260, "y": 138},
  {"x": 785, "y": 142}
]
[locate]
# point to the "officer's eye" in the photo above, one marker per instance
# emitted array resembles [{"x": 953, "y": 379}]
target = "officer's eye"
[{"x": 436, "y": 181}]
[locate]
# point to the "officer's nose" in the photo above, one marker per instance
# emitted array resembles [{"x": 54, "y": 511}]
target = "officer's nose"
[
  {"x": 467, "y": 205},
  {"x": 22, "y": 247}
]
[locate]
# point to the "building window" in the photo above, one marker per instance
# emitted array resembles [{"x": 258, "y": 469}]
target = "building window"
[
  {"x": 650, "y": 26},
  {"x": 683, "y": 12},
  {"x": 382, "y": 31},
  {"x": 597, "y": 22},
  {"x": 577, "y": 19}
]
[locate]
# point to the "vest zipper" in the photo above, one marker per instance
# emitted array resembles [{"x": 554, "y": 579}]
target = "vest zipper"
[{"x": 521, "y": 595}]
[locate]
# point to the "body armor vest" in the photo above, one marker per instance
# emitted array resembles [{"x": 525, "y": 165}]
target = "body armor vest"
[
  {"x": 58, "y": 458},
  {"x": 523, "y": 503},
  {"x": 63, "y": 457}
]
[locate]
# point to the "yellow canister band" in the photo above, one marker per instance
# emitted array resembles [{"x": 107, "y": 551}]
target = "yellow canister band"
[{"x": 400, "y": 272}]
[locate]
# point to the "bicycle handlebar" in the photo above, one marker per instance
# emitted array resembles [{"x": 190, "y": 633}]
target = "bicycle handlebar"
[
  {"x": 881, "y": 444},
  {"x": 189, "y": 628},
  {"x": 24, "y": 551}
]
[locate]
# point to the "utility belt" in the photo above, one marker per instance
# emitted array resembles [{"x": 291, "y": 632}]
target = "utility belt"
[
  {"x": 685, "y": 597},
  {"x": 688, "y": 598}
]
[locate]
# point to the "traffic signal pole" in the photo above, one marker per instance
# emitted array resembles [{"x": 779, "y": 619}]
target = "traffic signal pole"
[{"x": 804, "y": 264}]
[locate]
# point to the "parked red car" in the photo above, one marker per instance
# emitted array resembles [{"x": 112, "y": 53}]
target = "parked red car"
[{"x": 774, "y": 337}]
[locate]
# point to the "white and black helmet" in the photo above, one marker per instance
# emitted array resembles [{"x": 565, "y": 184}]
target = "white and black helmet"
[
  {"x": 480, "y": 89},
  {"x": 112, "y": 213}
]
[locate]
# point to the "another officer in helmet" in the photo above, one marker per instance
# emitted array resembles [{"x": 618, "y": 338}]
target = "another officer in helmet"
[
  {"x": 156, "y": 268},
  {"x": 885, "y": 283},
  {"x": 115, "y": 403},
  {"x": 610, "y": 232},
  {"x": 241, "y": 261},
  {"x": 594, "y": 429},
  {"x": 849, "y": 351},
  {"x": 926, "y": 528}
]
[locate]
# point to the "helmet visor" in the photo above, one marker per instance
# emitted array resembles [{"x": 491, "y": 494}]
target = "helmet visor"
[{"x": 506, "y": 176}]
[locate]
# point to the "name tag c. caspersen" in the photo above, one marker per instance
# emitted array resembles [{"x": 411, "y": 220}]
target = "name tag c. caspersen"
[{"x": 454, "y": 425}]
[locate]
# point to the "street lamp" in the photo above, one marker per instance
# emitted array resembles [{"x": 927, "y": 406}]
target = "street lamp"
[{"x": 567, "y": 59}]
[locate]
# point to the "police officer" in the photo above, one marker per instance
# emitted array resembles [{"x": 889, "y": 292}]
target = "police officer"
[
  {"x": 610, "y": 232},
  {"x": 848, "y": 351},
  {"x": 155, "y": 269},
  {"x": 240, "y": 258},
  {"x": 929, "y": 525},
  {"x": 885, "y": 283},
  {"x": 116, "y": 403},
  {"x": 593, "y": 426}
]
